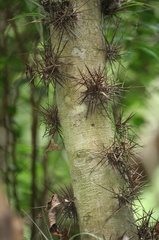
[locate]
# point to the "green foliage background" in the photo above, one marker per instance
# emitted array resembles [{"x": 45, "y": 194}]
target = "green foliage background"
[{"x": 19, "y": 38}]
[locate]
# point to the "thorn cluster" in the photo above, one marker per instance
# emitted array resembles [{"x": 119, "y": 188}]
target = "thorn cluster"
[
  {"x": 110, "y": 7},
  {"x": 113, "y": 48},
  {"x": 113, "y": 51},
  {"x": 125, "y": 135},
  {"x": 147, "y": 227},
  {"x": 50, "y": 120},
  {"x": 61, "y": 14},
  {"x": 122, "y": 127},
  {"x": 98, "y": 90},
  {"x": 67, "y": 208},
  {"x": 125, "y": 196},
  {"x": 49, "y": 65},
  {"x": 121, "y": 156}
]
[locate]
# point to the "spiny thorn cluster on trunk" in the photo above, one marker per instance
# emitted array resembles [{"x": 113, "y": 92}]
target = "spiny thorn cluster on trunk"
[
  {"x": 47, "y": 65},
  {"x": 50, "y": 120},
  {"x": 61, "y": 209},
  {"x": 99, "y": 90},
  {"x": 61, "y": 14}
]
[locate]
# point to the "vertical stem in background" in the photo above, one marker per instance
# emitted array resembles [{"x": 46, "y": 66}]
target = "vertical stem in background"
[
  {"x": 14, "y": 156},
  {"x": 5, "y": 120},
  {"x": 15, "y": 165},
  {"x": 6, "y": 133},
  {"x": 45, "y": 178},
  {"x": 34, "y": 155},
  {"x": 10, "y": 137}
]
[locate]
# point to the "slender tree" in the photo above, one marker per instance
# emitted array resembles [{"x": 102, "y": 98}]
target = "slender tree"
[
  {"x": 83, "y": 97},
  {"x": 78, "y": 59}
]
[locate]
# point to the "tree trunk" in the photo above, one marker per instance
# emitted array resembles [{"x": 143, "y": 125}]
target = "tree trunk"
[
  {"x": 11, "y": 227},
  {"x": 86, "y": 136}
]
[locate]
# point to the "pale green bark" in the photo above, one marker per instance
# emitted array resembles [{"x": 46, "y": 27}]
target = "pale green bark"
[{"x": 84, "y": 137}]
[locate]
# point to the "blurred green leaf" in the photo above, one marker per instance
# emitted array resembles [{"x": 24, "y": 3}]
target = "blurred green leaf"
[
  {"x": 24, "y": 15},
  {"x": 154, "y": 27},
  {"x": 150, "y": 50}
]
